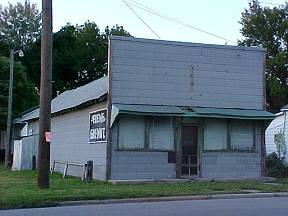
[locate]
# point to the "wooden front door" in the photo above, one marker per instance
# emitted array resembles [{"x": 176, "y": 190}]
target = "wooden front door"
[{"x": 189, "y": 156}]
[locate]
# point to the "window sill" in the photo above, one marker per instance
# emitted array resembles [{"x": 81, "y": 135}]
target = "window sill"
[
  {"x": 229, "y": 151},
  {"x": 144, "y": 150}
]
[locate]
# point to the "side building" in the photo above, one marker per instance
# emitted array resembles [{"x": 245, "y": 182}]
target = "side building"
[
  {"x": 278, "y": 129},
  {"x": 71, "y": 141}
]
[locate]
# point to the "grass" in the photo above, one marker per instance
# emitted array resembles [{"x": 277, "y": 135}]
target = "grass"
[{"x": 18, "y": 189}]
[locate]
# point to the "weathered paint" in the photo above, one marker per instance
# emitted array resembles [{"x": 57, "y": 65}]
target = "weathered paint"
[
  {"x": 186, "y": 74},
  {"x": 139, "y": 164},
  {"x": 279, "y": 124},
  {"x": 275, "y": 126},
  {"x": 70, "y": 135},
  {"x": 233, "y": 164}
]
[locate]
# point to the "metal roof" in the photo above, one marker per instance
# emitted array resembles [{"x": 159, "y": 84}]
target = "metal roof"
[
  {"x": 197, "y": 112},
  {"x": 233, "y": 113},
  {"x": 143, "y": 110},
  {"x": 75, "y": 97}
]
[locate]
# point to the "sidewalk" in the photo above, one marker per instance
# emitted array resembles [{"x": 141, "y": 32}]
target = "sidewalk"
[{"x": 173, "y": 198}]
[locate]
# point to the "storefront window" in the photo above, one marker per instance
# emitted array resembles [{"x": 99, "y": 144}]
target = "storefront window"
[
  {"x": 161, "y": 135},
  {"x": 131, "y": 132},
  {"x": 146, "y": 132},
  {"x": 215, "y": 134},
  {"x": 241, "y": 133}
]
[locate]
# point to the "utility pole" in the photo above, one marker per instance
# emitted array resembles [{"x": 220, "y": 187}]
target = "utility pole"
[
  {"x": 9, "y": 112},
  {"x": 8, "y": 161},
  {"x": 43, "y": 162}
]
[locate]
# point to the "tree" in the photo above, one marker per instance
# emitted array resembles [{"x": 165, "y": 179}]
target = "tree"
[
  {"x": 92, "y": 51},
  {"x": 19, "y": 24},
  {"x": 24, "y": 94},
  {"x": 91, "y": 54},
  {"x": 80, "y": 55},
  {"x": 116, "y": 31},
  {"x": 267, "y": 28}
]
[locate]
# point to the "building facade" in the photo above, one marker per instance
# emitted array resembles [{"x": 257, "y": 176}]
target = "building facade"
[{"x": 171, "y": 110}]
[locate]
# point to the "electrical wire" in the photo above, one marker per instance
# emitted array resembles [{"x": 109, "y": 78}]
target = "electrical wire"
[
  {"x": 150, "y": 10},
  {"x": 269, "y": 3},
  {"x": 141, "y": 19}
]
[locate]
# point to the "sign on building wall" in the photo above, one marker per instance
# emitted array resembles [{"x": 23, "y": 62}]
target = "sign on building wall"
[{"x": 97, "y": 130}]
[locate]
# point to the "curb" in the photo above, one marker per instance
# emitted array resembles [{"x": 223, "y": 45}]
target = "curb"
[{"x": 172, "y": 198}]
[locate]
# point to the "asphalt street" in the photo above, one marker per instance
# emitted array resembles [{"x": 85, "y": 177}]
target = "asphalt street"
[{"x": 276, "y": 206}]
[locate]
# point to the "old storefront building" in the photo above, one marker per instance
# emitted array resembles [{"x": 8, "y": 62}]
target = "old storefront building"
[{"x": 166, "y": 110}]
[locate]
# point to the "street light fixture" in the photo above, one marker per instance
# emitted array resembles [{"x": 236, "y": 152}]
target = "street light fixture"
[{"x": 9, "y": 112}]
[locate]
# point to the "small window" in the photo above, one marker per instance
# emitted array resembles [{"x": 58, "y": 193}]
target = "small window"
[
  {"x": 131, "y": 132},
  {"x": 215, "y": 134},
  {"x": 161, "y": 133},
  {"x": 241, "y": 133}
]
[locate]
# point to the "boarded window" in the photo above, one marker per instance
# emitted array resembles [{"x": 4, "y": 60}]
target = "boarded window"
[
  {"x": 242, "y": 135},
  {"x": 161, "y": 133},
  {"x": 131, "y": 132},
  {"x": 215, "y": 134}
]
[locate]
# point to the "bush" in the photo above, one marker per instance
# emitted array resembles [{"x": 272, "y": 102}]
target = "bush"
[{"x": 275, "y": 166}]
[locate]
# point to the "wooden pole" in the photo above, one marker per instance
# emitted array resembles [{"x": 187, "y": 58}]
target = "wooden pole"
[
  {"x": 43, "y": 162},
  {"x": 9, "y": 112}
]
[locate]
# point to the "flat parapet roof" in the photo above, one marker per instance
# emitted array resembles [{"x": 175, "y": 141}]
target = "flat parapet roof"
[{"x": 191, "y": 44}]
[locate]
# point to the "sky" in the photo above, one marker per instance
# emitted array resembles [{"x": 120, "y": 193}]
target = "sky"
[{"x": 218, "y": 17}]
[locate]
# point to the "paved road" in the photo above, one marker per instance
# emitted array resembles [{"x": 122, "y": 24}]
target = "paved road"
[{"x": 219, "y": 207}]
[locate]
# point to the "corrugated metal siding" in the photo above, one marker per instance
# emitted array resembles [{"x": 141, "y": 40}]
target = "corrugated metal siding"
[
  {"x": 70, "y": 142},
  {"x": 233, "y": 164},
  {"x": 186, "y": 74}
]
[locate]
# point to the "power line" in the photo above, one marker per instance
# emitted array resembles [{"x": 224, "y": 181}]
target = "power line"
[
  {"x": 269, "y": 3},
  {"x": 150, "y": 10},
  {"x": 141, "y": 19}
]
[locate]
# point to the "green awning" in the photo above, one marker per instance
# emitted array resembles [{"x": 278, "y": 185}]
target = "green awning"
[
  {"x": 144, "y": 110},
  {"x": 191, "y": 112},
  {"x": 230, "y": 113}
]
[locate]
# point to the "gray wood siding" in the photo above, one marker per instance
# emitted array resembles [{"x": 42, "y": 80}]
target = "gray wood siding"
[
  {"x": 69, "y": 142},
  {"x": 185, "y": 74},
  {"x": 131, "y": 165},
  {"x": 33, "y": 126},
  {"x": 233, "y": 164}
]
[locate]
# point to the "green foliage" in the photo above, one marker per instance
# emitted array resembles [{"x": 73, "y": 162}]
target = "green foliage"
[
  {"x": 80, "y": 55},
  {"x": 24, "y": 93},
  {"x": 275, "y": 166},
  {"x": 19, "y": 24},
  {"x": 267, "y": 27}
]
